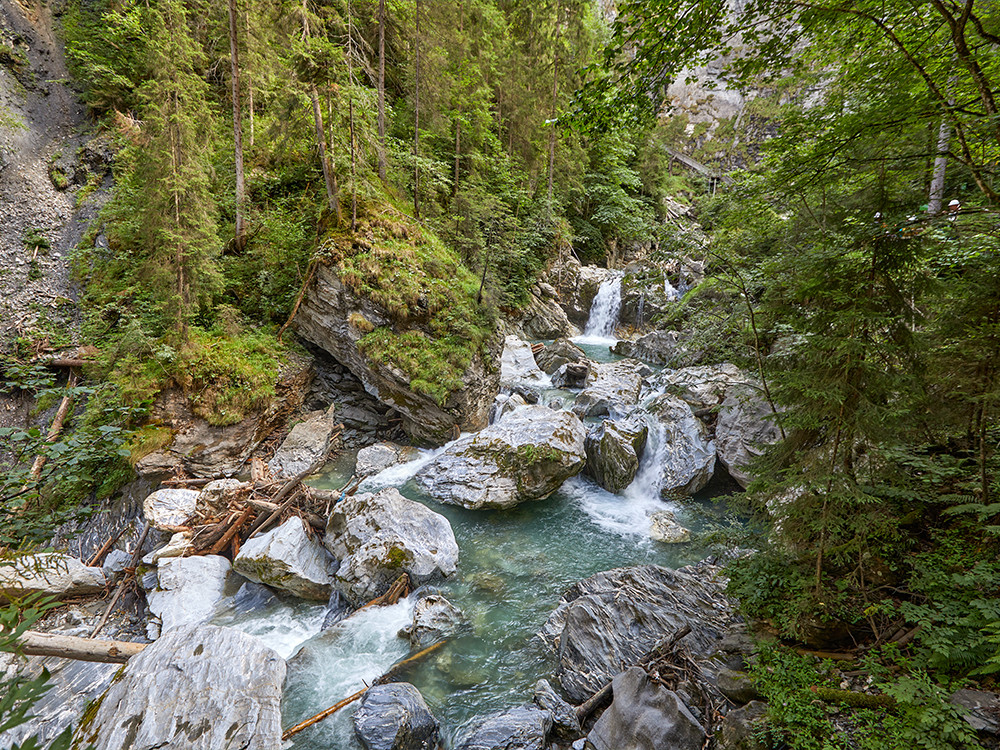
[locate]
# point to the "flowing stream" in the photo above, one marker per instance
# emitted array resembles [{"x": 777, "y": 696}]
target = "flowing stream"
[{"x": 604, "y": 310}]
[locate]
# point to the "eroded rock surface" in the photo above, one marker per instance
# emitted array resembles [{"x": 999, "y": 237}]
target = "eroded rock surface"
[
  {"x": 745, "y": 427},
  {"x": 687, "y": 452},
  {"x": 613, "y": 453},
  {"x": 306, "y": 444},
  {"x": 188, "y": 589},
  {"x": 523, "y": 728},
  {"x": 610, "y": 388},
  {"x": 169, "y": 507}
]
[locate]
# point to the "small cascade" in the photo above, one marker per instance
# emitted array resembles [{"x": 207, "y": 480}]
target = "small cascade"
[
  {"x": 604, "y": 310},
  {"x": 669, "y": 290}
]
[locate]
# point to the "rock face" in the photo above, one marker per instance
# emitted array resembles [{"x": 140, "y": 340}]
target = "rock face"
[
  {"x": 744, "y": 427},
  {"x": 523, "y": 728},
  {"x": 664, "y": 348},
  {"x": 565, "y": 725},
  {"x": 576, "y": 286},
  {"x": 517, "y": 364},
  {"x": 169, "y": 507},
  {"x": 615, "y": 617},
  {"x": 526, "y": 456},
  {"x": 738, "y": 729},
  {"x": 306, "y": 444},
  {"x": 557, "y": 354},
  {"x": 379, "y": 536},
  {"x": 688, "y": 454},
  {"x": 610, "y": 388},
  {"x": 613, "y": 453},
  {"x": 543, "y": 318},
  {"x": 434, "y": 618},
  {"x": 200, "y": 688},
  {"x": 395, "y": 717},
  {"x": 286, "y": 558},
  {"x": 702, "y": 387},
  {"x": 329, "y": 318},
  {"x": 49, "y": 573},
  {"x": 189, "y": 589},
  {"x": 375, "y": 458},
  {"x": 645, "y": 716},
  {"x": 663, "y": 527},
  {"x": 982, "y": 709}
]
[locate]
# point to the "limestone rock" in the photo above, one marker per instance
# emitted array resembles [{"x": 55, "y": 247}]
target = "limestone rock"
[
  {"x": 663, "y": 527},
  {"x": 571, "y": 375},
  {"x": 610, "y": 388},
  {"x": 49, "y": 573},
  {"x": 645, "y": 716},
  {"x": 565, "y": 725},
  {"x": 434, "y": 618},
  {"x": 701, "y": 387},
  {"x": 286, "y": 558},
  {"x": 557, "y": 354},
  {"x": 213, "y": 499},
  {"x": 179, "y": 544},
  {"x": 613, "y": 453},
  {"x": 982, "y": 709},
  {"x": 328, "y": 318},
  {"x": 375, "y": 458},
  {"x": 688, "y": 453},
  {"x": 663, "y": 348},
  {"x": 523, "y": 728},
  {"x": 379, "y": 536},
  {"x": 744, "y": 428},
  {"x": 198, "y": 688},
  {"x": 517, "y": 363},
  {"x": 544, "y": 319},
  {"x": 395, "y": 717},
  {"x": 504, "y": 405},
  {"x": 615, "y": 617},
  {"x": 169, "y": 507},
  {"x": 526, "y": 456},
  {"x": 306, "y": 444},
  {"x": 188, "y": 590},
  {"x": 736, "y": 686}
]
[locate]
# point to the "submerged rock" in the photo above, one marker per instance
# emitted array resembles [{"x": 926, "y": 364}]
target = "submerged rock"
[
  {"x": 616, "y": 617},
  {"x": 560, "y": 352},
  {"x": 395, "y": 717},
  {"x": 613, "y": 453},
  {"x": 688, "y": 453},
  {"x": 51, "y": 574},
  {"x": 645, "y": 716},
  {"x": 188, "y": 590},
  {"x": 746, "y": 425},
  {"x": 434, "y": 618},
  {"x": 523, "y": 728},
  {"x": 304, "y": 446},
  {"x": 379, "y": 536},
  {"x": 198, "y": 688},
  {"x": 610, "y": 388},
  {"x": 663, "y": 527},
  {"x": 286, "y": 558},
  {"x": 169, "y": 507},
  {"x": 526, "y": 456}
]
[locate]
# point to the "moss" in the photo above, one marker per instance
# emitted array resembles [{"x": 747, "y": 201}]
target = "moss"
[
  {"x": 396, "y": 557},
  {"x": 148, "y": 439}
]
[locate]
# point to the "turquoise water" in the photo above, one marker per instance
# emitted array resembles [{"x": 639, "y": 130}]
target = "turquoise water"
[{"x": 513, "y": 567}]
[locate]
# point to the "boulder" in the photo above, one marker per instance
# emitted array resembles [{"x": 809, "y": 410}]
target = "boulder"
[
  {"x": 379, "y": 536},
  {"x": 178, "y": 546},
  {"x": 745, "y": 426},
  {"x": 576, "y": 286},
  {"x": 199, "y": 688},
  {"x": 701, "y": 387},
  {"x": 739, "y": 729},
  {"x": 662, "y": 348},
  {"x": 736, "y": 686},
  {"x": 305, "y": 445},
  {"x": 613, "y": 453},
  {"x": 504, "y": 405},
  {"x": 188, "y": 589},
  {"x": 663, "y": 527},
  {"x": 686, "y": 451},
  {"x": 434, "y": 618},
  {"x": 334, "y": 318},
  {"x": 611, "y": 388},
  {"x": 526, "y": 456},
  {"x": 523, "y": 728},
  {"x": 565, "y": 725},
  {"x": 981, "y": 709},
  {"x": 645, "y": 716},
  {"x": 571, "y": 375},
  {"x": 169, "y": 507},
  {"x": 542, "y": 318},
  {"x": 517, "y": 364},
  {"x": 213, "y": 499},
  {"x": 560, "y": 352},
  {"x": 616, "y": 617},
  {"x": 286, "y": 558},
  {"x": 50, "y": 574},
  {"x": 395, "y": 717},
  {"x": 375, "y": 458}
]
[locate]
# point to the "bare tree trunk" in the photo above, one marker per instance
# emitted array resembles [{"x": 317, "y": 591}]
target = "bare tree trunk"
[
  {"x": 381, "y": 91},
  {"x": 234, "y": 59},
  {"x": 331, "y": 187},
  {"x": 552, "y": 133},
  {"x": 350, "y": 80},
  {"x": 940, "y": 164},
  {"x": 33, "y": 643},
  {"x": 249, "y": 82},
  {"x": 416, "y": 124}
]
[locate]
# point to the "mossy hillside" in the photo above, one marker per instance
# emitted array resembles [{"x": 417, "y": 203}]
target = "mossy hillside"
[{"x": 438, "y": 326}]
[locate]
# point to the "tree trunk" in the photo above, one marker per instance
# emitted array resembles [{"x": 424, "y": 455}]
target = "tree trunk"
[
  {"x": 331, "y": 187},
  {"x": 940, "y": 164},
  {"x": 381, "y": 90},
  {"x": 350, "y": 104},
  {"x": 249, "y": 83},
  {"x": 552, "y": 133},
  {"x": 416, "y": 123},
  {"x": 32, "y": 643},
  {"x": 234, "y": 59}
]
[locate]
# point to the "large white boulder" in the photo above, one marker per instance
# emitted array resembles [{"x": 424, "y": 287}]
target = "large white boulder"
[
  {"x": 517, "y": 364},
  {"x": 286, "y": 558},
  {"x": 48, "y": 573},
  {"x": 169, "y": 507},
  {"x": 306, "y": 444},
  {"x": 188, "y": 589},
  {"x": 686, "y": 451}
]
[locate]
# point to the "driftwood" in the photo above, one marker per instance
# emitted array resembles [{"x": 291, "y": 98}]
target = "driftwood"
[
  {"x": 234, "y": 529},
  {"x": 399, "y": 588},
  {"x": 187, "y": 482},
  {"x": 136, "y": 556},
  {"x": 387, "y": 677},
  {"x": 68, "y": 362},
  {"x": 264, "y": 521},
  {"x": 662, "y": 648},
  {"x": 33, "y": 643},
  {"x": 299, "y": 297}
]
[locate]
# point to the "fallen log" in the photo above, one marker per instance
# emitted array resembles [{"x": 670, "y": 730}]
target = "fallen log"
[
  {"x": 232, "y": 532},
  {"x": 56, "y": 428},
  {"x": 394, "y": 670},
  {"x": 68, "y": 362},
  {"x": 399, "y": 588},
  {"x": 33, "y": 643},
  {"x": 590, "y": 705}
]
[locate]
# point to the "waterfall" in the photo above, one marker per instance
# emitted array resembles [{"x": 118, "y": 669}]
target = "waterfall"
[
  {"x": 604, "y": 310},
  {"x": 669, "y": 290}
]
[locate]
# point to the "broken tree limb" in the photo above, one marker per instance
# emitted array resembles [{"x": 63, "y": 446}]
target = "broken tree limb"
[
  {"x": 232, "y": 532},
  {"x": 56, "y": 428},
  {"x": 33, "y": 643},
  {"x": 136, "y": 556},
  {"x": 301, "y": 295},
  {"x": 394, "y": 670},
  {"x": 399, "y": 588},
  {"x": 105, "y": 548},
  {"x": 588, "y": 707},
  {"x": 264, "y": 521},
  {"x": 68, "y": 362}
]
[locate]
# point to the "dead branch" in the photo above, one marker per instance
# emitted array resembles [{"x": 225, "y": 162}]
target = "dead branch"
[
  {"x": 33, "y": 643},
  {"x": 56, "y": 428},
  {"x": 136, "y": 556},
  {"x": 264, "y": 521},
  {"x": 105, "y": 548},
  {"x": 232, "y": 532}
]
